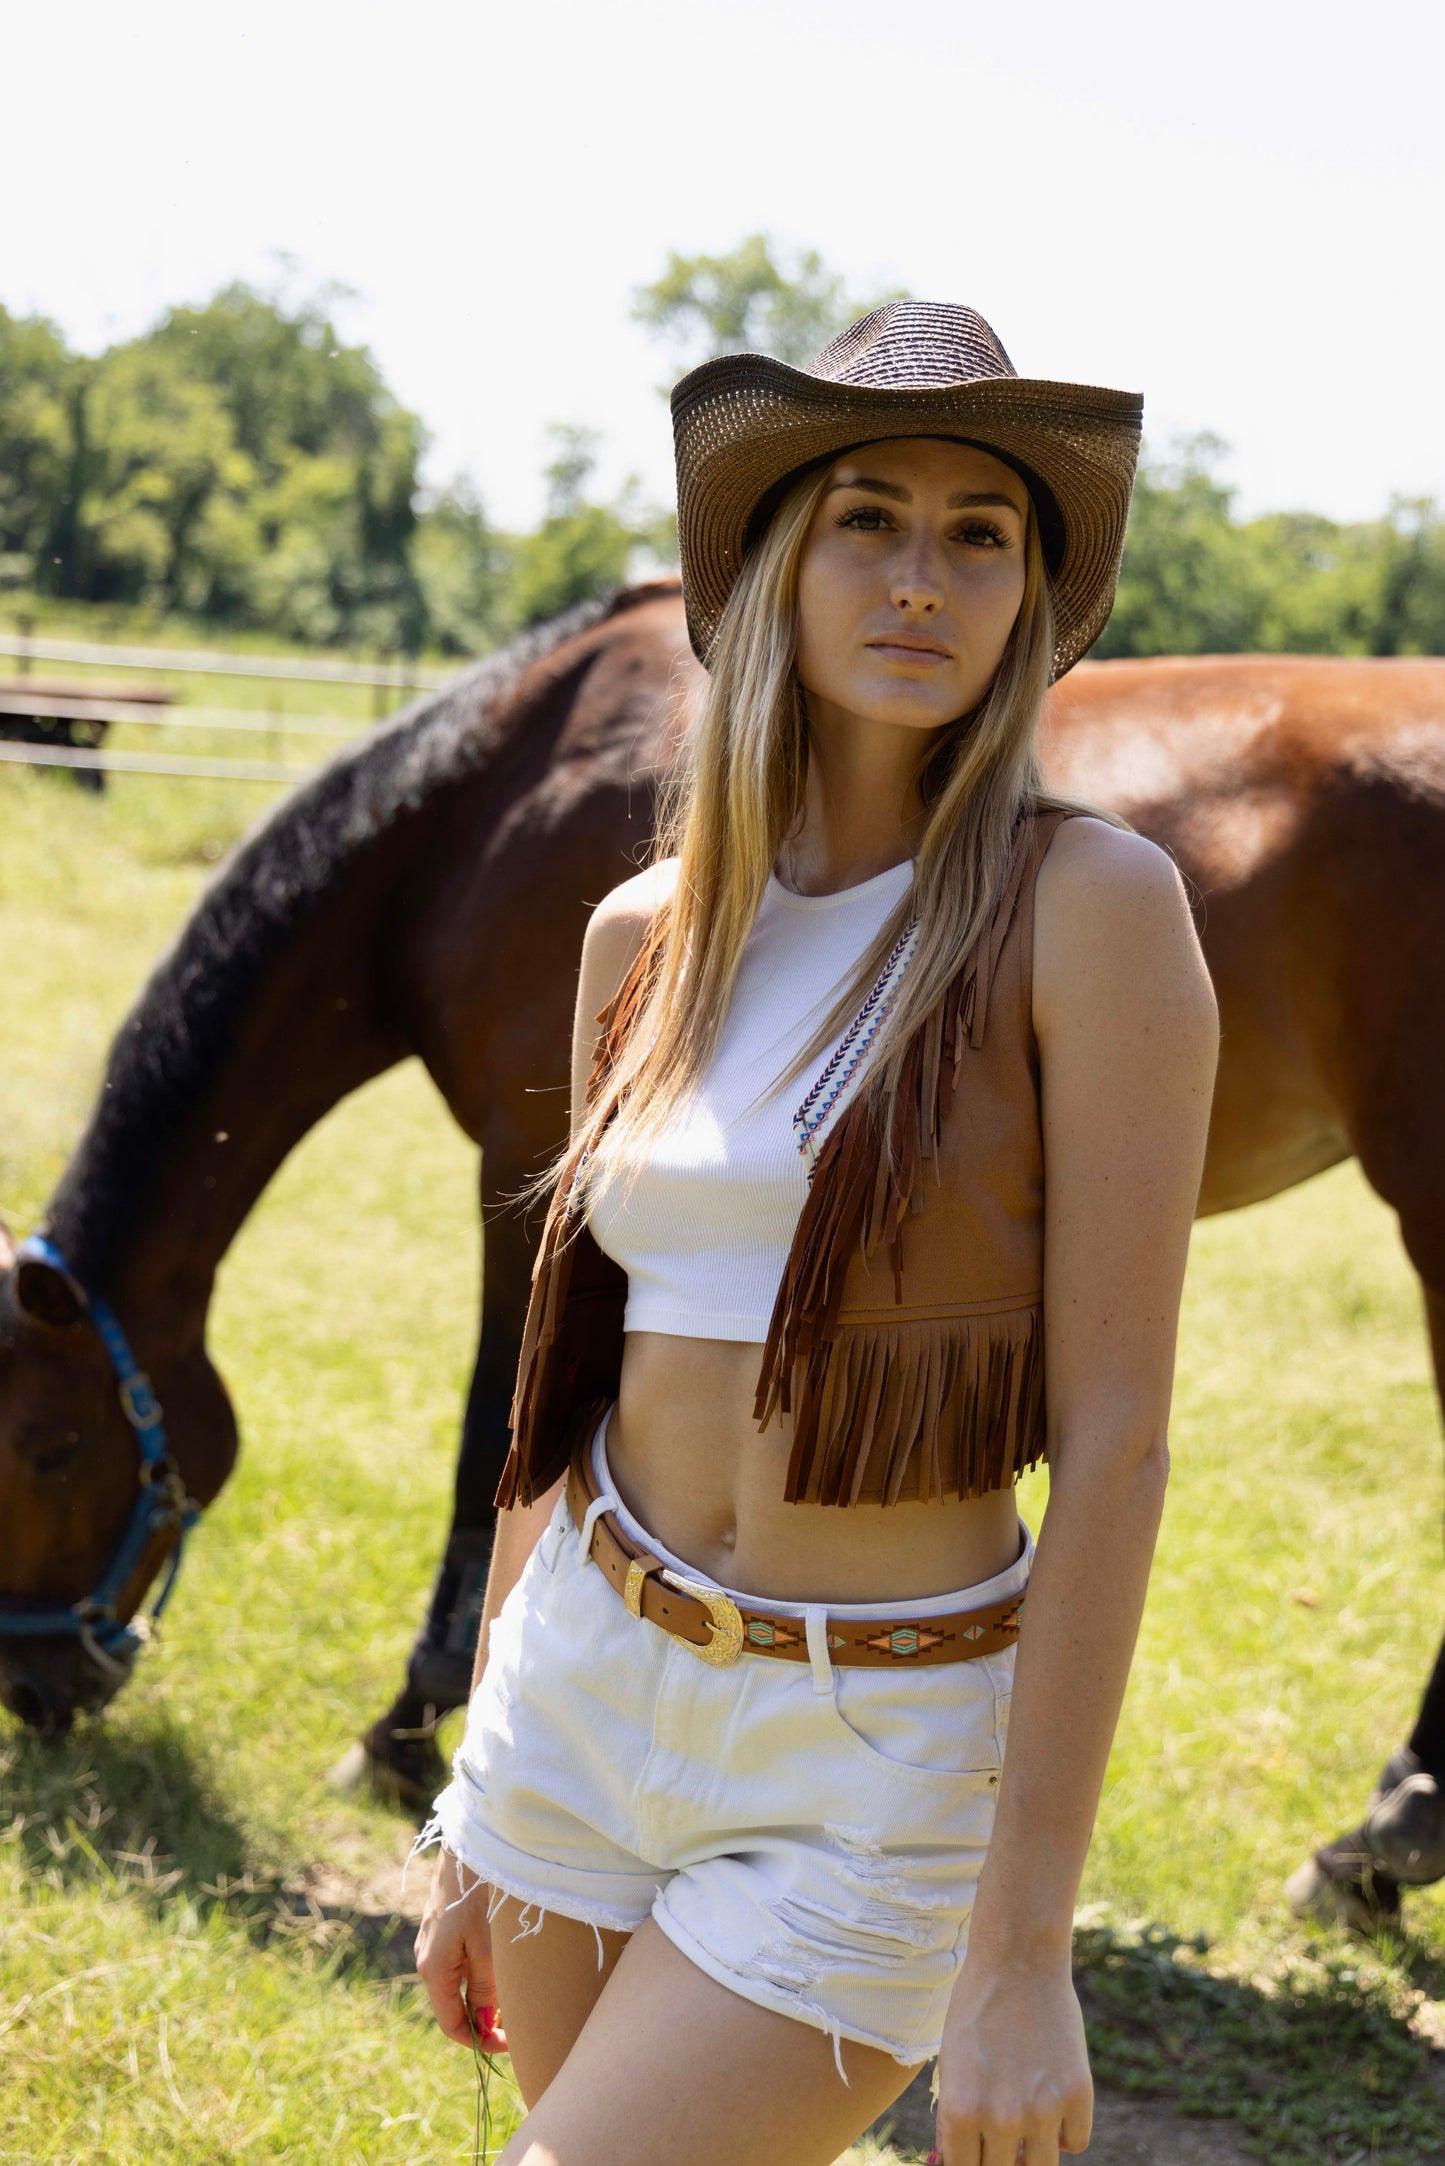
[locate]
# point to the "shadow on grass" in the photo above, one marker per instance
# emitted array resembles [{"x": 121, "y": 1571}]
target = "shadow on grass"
[
  {"x": 1315, "y": 2062},
  {"x": 1422, "y": 1969},
  {"x": 1312, "y": 2064},
  {"x": 132, "y": 1813}
]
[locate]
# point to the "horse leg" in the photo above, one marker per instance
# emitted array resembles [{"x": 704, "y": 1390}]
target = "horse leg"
[
  {"x": 1356, "y": 1879},
  {"x": 1406, "y": 1821},
  {"x": 398, "y": 1755}
]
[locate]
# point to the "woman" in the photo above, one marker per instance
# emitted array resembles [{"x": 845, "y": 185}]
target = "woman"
[{"x": 878, "y": 984}]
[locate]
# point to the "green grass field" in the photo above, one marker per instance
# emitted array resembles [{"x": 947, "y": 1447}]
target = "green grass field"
[{"x": 199, "y": 1953}]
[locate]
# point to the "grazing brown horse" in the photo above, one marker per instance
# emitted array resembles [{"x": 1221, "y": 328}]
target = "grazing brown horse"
[{"x": 426, "y": 893}]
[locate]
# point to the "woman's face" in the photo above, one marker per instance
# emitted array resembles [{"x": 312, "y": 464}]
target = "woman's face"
[{"x": 910, "y": 580}]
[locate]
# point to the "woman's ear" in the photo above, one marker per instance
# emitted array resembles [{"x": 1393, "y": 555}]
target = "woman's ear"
[{"x": 45, "y": 1294}]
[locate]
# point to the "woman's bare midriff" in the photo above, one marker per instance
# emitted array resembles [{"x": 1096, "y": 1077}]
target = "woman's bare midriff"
[{"x": 690, "y": 1462}]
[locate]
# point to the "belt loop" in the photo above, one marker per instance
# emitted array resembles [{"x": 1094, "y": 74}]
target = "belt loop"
[
  {"x": 815, "y": 1624},
  {"x": 590, "y": 1517}
]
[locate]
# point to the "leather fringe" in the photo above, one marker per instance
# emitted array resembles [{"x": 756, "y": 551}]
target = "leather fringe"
[
  {"x": 947, "y": 1407},
  {"x": 915, "y": 1393}
]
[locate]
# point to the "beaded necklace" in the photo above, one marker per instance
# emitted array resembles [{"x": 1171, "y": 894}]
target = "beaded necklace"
[{"x": 853, "y": 1047}]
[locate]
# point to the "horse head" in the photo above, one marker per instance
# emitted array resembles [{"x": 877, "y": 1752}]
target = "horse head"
[{"x": 96, "y": 1494}]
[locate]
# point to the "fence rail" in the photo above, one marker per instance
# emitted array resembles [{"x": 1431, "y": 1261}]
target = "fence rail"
[
  {"x": 292, "y": 669},
  {"x": 148, "y": 763},
  {"x": 52, "y": 707}
]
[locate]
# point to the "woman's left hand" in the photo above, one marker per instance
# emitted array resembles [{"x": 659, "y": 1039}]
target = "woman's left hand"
[{"x": 1013, "y": 2068}]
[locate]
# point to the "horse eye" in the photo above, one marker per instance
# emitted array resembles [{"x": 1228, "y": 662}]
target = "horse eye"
[{"x": 53, "y": 1454}]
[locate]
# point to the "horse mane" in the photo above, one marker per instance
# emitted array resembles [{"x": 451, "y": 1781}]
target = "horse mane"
[{"x": 182, "y": 1026}]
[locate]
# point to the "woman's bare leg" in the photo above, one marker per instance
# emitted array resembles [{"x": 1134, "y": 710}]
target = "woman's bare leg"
[
  {"x": 668, "y": 2065},
  {"x": 548, "y": 1981}
]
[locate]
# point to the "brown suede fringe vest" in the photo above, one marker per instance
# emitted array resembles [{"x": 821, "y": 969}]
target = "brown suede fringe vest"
[{"x": 911, "y": 1365}]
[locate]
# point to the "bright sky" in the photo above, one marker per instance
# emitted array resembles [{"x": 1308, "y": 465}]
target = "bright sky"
[{"x": 1237, "y": 209}]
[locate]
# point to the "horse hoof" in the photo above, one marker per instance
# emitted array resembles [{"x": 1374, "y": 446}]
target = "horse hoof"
[
  {"x": 352, "y": 1770},
  {"x": 404, "y": 1777},
  {"x": 1365, "y": 1904},
  {"x": 1406, "y": 1831}
]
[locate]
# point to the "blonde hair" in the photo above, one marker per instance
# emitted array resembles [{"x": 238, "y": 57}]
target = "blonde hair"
[{"x": 728, "y": 809}]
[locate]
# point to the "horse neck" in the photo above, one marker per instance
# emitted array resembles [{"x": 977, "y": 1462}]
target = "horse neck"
[{"x": 163, "y": 1178}]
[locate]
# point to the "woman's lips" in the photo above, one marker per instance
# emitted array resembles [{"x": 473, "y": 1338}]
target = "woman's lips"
[{"x": 898, "y": 650}]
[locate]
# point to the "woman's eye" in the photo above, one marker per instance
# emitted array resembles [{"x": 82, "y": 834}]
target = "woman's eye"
[
  {"x": 866, "y": 518},
  {"x": 983, "y": 534}
]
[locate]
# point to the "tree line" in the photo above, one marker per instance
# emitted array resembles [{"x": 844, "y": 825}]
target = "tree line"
[{"x": 241, "y": 465}]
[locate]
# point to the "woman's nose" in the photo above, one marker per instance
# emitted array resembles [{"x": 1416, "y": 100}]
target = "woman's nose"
[{"x": 917, "y": 585}]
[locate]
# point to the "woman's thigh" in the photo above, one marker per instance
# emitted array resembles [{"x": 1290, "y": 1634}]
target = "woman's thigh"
[
  {"x": 659, "y": 2063},
  {"x": 548, "y": 1982}
]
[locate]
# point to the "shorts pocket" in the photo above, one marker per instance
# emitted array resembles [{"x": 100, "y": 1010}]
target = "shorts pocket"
[{"x": 935, "y": 1725}]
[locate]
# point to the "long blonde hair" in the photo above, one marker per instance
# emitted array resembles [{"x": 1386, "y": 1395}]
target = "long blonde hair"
[{"x": 739, "y": 791}]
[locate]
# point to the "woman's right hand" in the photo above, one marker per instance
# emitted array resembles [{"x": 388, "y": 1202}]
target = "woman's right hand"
[{"x": 454, "y": 1956}]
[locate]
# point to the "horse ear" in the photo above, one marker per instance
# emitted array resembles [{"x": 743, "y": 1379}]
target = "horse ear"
[{"x": 46, "y": 1295}]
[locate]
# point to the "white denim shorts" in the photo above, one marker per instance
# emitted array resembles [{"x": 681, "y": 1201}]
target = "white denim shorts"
[{"x": 810, "y": 1837}]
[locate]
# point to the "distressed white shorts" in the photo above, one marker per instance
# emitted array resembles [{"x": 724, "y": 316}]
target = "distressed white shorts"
[{"x": 810, "y": 1837}]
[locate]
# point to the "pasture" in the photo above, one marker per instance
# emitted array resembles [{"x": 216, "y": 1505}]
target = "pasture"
[{"x": 202, "y": 1955}]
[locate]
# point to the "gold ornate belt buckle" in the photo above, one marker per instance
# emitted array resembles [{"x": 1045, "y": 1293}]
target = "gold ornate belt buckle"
[
  {"x": 636, "y": 1579},
  {"x": 727, "y": 1621}
]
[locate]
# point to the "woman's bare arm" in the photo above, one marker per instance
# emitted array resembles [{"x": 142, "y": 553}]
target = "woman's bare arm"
[{"x": 1128, "y": 1039}]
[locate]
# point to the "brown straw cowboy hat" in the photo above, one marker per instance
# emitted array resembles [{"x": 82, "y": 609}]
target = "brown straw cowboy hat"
[{"x": 744, "y": 425}]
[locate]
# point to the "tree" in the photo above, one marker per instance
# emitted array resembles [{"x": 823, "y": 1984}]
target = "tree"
[
  {"x": 754, "y": 300},
  {"x": 335, "y": 458},
  {"x": 40, "y": 382},
  {"x": 1196, "y": 580},
  {"x": 1410, "y": 618},
  {"x": 240, "y": 463},
  {"x": 581, "y": 549},
  {"x": 1186, "y": 586},
  {"x": 165, "y": 504},
  {"x": 463, "y": 569}
]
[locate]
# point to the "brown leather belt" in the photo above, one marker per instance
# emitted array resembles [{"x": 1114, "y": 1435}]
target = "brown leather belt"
[{"x": 719, "y": 1629}]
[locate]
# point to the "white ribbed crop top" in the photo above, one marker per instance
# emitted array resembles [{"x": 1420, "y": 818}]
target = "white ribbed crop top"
[{"x": 704, "y": 1227}]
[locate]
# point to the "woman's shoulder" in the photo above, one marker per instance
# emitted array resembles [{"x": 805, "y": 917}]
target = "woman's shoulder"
[
  {"x": 618, "y": 927},
  {"x": 1089, "y": 856},
  {"x": 1112, "y": 917}
]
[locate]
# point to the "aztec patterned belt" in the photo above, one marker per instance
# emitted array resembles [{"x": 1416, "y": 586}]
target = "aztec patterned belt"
[{"x": 719, "y": 1629}]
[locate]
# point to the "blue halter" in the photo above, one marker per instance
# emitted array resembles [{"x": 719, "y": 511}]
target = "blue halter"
[{"x": 162, "y": 1502}]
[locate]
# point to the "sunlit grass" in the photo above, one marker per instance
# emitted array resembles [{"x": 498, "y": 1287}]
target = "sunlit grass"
[{"x": 198, "y": 1957}]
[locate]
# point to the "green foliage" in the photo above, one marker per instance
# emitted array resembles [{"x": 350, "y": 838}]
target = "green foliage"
[
  {"x": 753, "y": 300},
  {"x": 1198, "y": 581},
  {"x": 463, "y": 569},
  {"x": 581, "y": 549},
  {"x": 237, "y": 463},
  {"x": 39, "y": 386},
  {"x": 240, "y": 466},
  {"x": 163, "y": 510}
]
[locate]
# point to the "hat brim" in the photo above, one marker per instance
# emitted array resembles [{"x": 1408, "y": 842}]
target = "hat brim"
[{"x": 744, "y": 423}]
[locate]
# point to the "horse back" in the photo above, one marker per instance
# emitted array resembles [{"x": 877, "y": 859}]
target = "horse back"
[{"x": 1303, "y": 799}]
